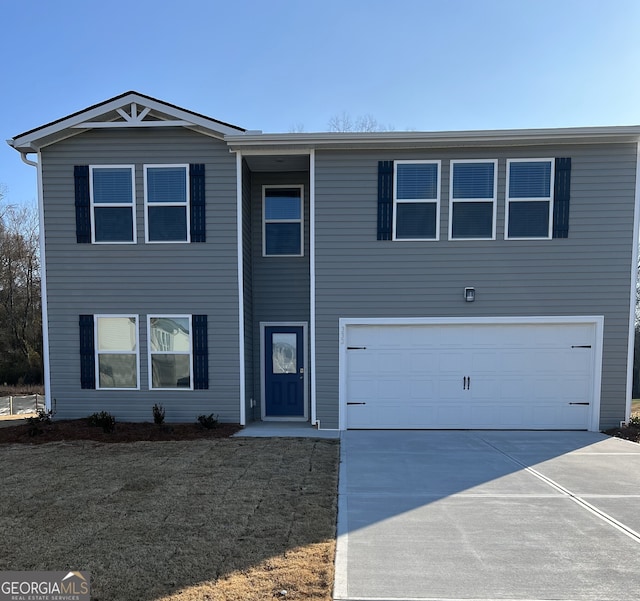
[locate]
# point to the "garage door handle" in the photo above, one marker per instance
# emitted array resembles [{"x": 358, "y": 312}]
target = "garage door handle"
[
  {"x": 579, "y": 403},
  {"x": 356, "y": 403}
]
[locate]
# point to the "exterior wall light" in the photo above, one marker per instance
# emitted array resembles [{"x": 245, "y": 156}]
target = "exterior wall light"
[{"x": 469, "y": 294}]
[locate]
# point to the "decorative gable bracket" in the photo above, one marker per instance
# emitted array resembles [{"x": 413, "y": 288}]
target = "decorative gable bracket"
[{"x": 134, "y": 117}]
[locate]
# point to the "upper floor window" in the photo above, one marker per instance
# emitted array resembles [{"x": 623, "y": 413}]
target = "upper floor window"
[
  {"x": 170, "y": 352},
  {"x": 166, "y": 195},
  {"x": 473, "y": 194},
  {"x": 112, "y": 203},
  {"x": 116, "y": 349},
  {"x": 282, "y": 223},
  {"x": 416, "y": 200},
  {"x": 529, "y": 203}
]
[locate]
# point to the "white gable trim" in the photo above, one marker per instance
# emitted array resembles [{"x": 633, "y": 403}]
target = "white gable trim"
[{"x": 134, "y": 110}]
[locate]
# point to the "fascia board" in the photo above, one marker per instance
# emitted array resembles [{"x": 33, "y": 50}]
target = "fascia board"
[{"x": 455, "y": 138}]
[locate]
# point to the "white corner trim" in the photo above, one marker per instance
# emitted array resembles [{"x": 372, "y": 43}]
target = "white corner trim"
[
  {"x": 312, "y": 285},
  {"x": 634, "y": 284},
  {"x": 241, "y": 357},
  {"x": 43, "y": 289}
]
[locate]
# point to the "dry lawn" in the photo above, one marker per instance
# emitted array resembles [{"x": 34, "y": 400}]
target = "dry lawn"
[{"x": 229, "y": 519}]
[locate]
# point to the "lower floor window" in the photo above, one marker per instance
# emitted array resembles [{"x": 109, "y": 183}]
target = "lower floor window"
[
  {"x": 116, "y": 351},
  {"x": 170, "y": 352},
  {"x": 176, "y": 347}
]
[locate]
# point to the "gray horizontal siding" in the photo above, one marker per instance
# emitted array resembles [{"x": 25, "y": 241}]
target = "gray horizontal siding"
[
  {"x": 142, "y": 278},
  {"x": 586, "y": 274}
]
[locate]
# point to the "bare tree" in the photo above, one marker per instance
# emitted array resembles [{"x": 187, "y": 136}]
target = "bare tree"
[
  {"x": 20, "y": 307},
  {"x": 344, "y": 122}
]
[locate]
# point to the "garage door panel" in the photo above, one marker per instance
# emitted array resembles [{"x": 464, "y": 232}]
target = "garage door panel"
[
  {"x": 422, "y": 361},
  {"x": 512, "y": 361},
  {"x": 422, "y": 389},
  {"x": 449, "y": 387},
  {"x": 361, "y": 389},
  {"x": 452, "y": 362},
  {"x": 391, "y": 361},
  {"x": 470, "y": 376},
  {"x": 484, "y": 387},
  {"x": 487, "y": 361}
]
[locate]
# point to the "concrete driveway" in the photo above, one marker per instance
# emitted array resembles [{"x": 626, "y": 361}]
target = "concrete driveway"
[{"x": 488, "y": 515}]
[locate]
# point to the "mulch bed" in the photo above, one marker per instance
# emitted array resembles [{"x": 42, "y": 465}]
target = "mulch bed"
[
  {"x": 79, "y": 429},
  {"x": 631, "y": 433}
]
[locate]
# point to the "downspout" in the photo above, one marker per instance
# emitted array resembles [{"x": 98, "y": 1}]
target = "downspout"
[
  {"x": 43, "y": 279},
  {"x": 23, "y": 156}
]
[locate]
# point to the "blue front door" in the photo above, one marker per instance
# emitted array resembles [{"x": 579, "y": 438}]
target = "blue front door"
[{"x": 284, "y": 371}]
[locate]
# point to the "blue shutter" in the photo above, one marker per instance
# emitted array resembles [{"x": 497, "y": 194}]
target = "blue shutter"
[
  {"x": 200, "y": 352},
  {"x": 385, "y": 200},
  {"x": 83, "y": 205},
  {"x": 198, "y": 215},
  {"x": 87, "y": 353},
  {"x": 561, "y": 195}
]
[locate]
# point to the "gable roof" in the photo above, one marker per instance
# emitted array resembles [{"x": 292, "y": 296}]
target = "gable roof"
[{"x": 131, "y": 109}]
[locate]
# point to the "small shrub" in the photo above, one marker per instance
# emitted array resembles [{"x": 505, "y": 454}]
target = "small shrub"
[
  {"x": 208, "y": 421},
  {"x": 103, "y": 420},
  {"x": 158, "y": 414},
  {"x": 634, "y": 421},
  {"x": 42, "y": 417}
]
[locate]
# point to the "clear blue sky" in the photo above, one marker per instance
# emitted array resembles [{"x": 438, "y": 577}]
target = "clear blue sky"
[{"x": 272, "y": 65}]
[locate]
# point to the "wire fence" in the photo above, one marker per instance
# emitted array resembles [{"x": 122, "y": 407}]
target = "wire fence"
[{"x": 20, "y": 404}]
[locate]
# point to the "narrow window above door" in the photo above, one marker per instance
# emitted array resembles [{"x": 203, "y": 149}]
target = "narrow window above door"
[{"x": 282, "y": 221}]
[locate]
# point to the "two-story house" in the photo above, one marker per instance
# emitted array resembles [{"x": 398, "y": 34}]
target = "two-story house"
[{"x": 480, "y": 279}]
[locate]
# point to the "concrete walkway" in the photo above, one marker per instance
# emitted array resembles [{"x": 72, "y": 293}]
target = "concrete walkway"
[
  {"x": 426, "y": 515},
  {"x": 284, "y": 430}
]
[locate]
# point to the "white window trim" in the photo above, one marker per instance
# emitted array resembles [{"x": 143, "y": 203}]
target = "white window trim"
[
  {"x": 493, "y": 200},
  {"x": 150, "y": 352},
  {"x": 435, "y": 200},
  {"x": 132, "y": 206},
  {"x": 98, "y": 352},
  {"x": 548, "y": 199},
  {"x": 186, "y": 204},
  {"x": 265, "y": 220}
]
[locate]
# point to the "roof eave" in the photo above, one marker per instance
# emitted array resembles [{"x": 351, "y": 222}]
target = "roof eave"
[{"x": 582, "y": 135}]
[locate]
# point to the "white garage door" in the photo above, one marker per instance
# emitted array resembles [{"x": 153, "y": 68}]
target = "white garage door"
[{"x": 527, "y": 376}]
